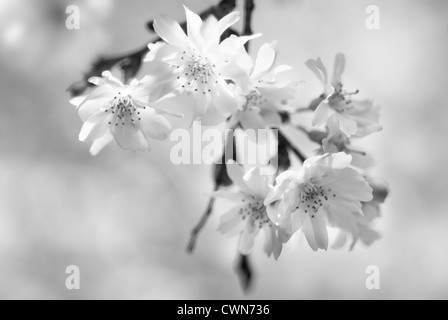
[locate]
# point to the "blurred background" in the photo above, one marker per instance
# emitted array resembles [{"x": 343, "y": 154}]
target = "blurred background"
[{"x": 124, "y": 218}]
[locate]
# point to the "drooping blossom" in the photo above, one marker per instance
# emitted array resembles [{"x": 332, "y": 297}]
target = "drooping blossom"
[
  {"x": 325, "y": 192},
  {"x": 365, "y": 232},
  {"x": 264, "y": 96},
  {"x": 354, "y": 117},
  {"x": 249, "y": 217}
]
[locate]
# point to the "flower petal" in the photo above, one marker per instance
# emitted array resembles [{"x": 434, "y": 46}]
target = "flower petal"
[
  {"x": 129, "y": 137},
  {"x": 272, "y": 245},
  {"x": 225, "y": 101},
  {"x": 162, "y": 51},
  {"x": 296, "y": 221},
  {"x": 100, "y": 143},
  {"x": 231, "y": 222},
  {"x": 170, "y": 31},
  {"x": 349, "y": 184},
  {"x": 76, "y": 101},
  {"x": 99, "y": 98},
  {"x": 202, "y": 104},
  {"x": 231, "y": 45},
  {"x": 283, "y": 182},
  {"x": 194, "y": 23},
  {"x": 236, "y": 174},
  {"x": 210, "y": 34},
  {"x": 227, "y": 21},
  {"x": 256, "y": 183},
  {"x": 315, "y": 230},
  {"x": 212, "y": 117},
  {"x": 339, "y": 66},
  {"x": 318, "y": 68},
  {"x": 231, "y": 70},
  {"x": 340, "y": 241},
  {"x": 339, "y": 160},
  {"x": 154, "y": 125},
  {"x": 251, "y": 119},
  {"x": 106, "y": 79},
  {"x": 367, "y": 236},
  {"x": 347, "y": 125},
  {"x": 95, "y": 127},
  {"x": 343, "y": 215},
  {"x": 322, "y": 113},
  {"x": 247, "y": 239},
  {"x": 264, "y": 61}
]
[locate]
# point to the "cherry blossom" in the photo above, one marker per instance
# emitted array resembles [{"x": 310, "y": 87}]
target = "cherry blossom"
[
  {"x": 124, "y": 113},
  {"x": 325, "y": 192}
]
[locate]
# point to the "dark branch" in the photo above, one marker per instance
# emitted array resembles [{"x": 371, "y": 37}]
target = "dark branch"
[
  {"x": 130, "y": 63},
  {"x": 244, "y": 271},
  {"x": 221, "y": 180},
  {"x": 283, "y": 142},
  {"x": 248, "y": 12},
  {"x": 197, "y": 230}
]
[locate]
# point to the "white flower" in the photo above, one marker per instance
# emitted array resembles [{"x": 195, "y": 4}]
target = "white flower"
[
  {"x": 125, "y": 113},
  {"x": 263, "y": 97},
  {"x": 355, "y": 117},
  {"x": 324, "y": 192},
  {"x": 337, "y": 141},
  {"x": 249, "y": 216},
  {"x": 371, "y": 212},
  {"x": 201, "y": 63}
]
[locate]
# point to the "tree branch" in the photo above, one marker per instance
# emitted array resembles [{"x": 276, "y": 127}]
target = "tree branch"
[
  {"x": 248, "y": 12},
  {"x": 283, "y": 142},
  {"x": 221, "y": 180},
  {"x": 197, "y": 230}
]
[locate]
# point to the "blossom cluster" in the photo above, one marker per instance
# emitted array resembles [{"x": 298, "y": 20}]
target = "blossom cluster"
[
  {"x": 222, "y": 79},
  {"x": 226, "y": 84}
]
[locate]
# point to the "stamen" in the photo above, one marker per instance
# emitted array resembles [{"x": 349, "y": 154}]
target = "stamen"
[
  {"x": 314, "y": 197},
  {"x": 255, "y": 211}
]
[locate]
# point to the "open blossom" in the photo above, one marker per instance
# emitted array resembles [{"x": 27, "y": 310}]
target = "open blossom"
[
  {"x": 248, "y": 217},
  {"x": 202, "y": 63},
  {"x": 325, "y": 192},
  {"x": 263, "y": 97},
  {"x": 355, "y": 117},
  {"x": 122, "y": 112}
]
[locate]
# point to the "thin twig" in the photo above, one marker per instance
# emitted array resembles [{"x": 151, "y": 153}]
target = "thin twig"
[
  {"x": 197, "y": 230},
  {"x": 221, "y": 179},
  {"x": 248, "y": 12},
  {"x": 284, "y": 142}
]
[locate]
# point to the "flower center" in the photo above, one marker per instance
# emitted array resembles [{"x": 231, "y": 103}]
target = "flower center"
[
  {"x": 197, "y": 72},
  {"x": 254, "y": 99},
  {"x": 200, "y": 68},
  {"x": 314, "y": 197},
  {"x": 341, "y": 99},
  {"x": 255, "y": 211},
  {"x": 124, "y": 110},
  {"x": 340, "y": 141}
]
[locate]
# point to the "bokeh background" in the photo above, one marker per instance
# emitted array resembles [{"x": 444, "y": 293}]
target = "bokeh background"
[{"x": 124, "y": 218}]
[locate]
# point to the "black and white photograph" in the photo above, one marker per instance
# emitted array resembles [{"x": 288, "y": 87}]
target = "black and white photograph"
[{"x": 223, "y": 155}]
